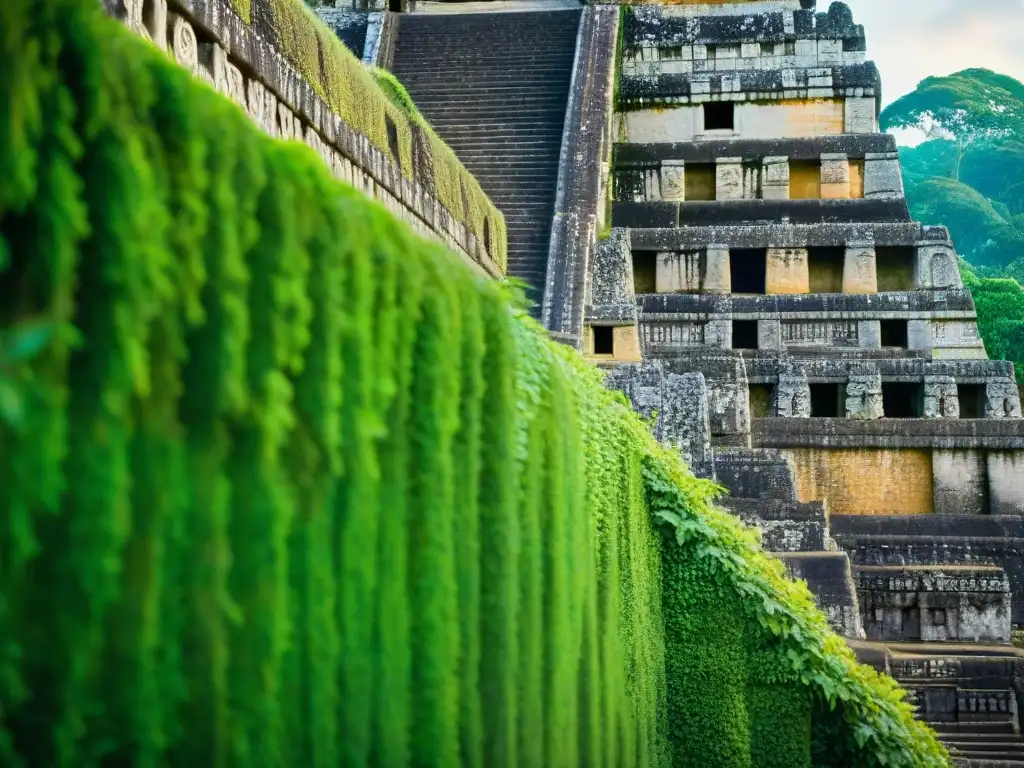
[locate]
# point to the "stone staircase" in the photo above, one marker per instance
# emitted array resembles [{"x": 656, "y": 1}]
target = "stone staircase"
[
  {"x": 961, "y": 691},
  {"x": 495, "y": 87}
]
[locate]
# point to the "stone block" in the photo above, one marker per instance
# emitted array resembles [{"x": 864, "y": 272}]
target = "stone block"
[
  {"x": 717, "y": 274},
  {"x": 935, "y": 603},
  {"x": 835, "y": 177},
  {"x": 861, "y": 115},
  {"x": 769, "y": 334},
  {"x": 787, "y": 271},
  {"x": 792, "y": 397},
  {"x": 729, "y": 407},
  {"x": 960, "y": 482},
  {"x": 673, "y": 180},
  {"x": 611, "y": 298},
  {"x": 936, "y": 268},
  {"x": 883, "y": 178},
  {"x": 678, "y": 271},
  {"x": 718, "y": 334},
  {"x": 869, "y": 334},
  {"x": 729, "y": 178},
  {"x": 1006, "y": 482},
  {"x": 1002, "y": 400},
  {"x": 941, "y": 400},
  {"x": 919, "y": 334},
  {"x": 860, "y": 269},
  {"x": 775, "y": 178},
  {"x": 864, "y": 397}
]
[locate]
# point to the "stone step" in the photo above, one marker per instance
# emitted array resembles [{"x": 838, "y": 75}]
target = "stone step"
[
  {"x": 828, "y": 577},
  {"x": 495, "y": 87}
]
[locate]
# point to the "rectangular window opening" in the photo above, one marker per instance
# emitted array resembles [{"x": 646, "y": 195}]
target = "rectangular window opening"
[
  {"x": 972, "y": 400},
  {"x": 760, "y": 396},
  {"x": 724, "y": 51},
  {"x": 719, "y": 116},
  {"x": 749, "y": 270},
  {"x": 826, "y": 269},
  {"x": 895, "y": 334},
  {"x": 790, "y": 48},
  {"x": 804, "y": 180},
  {"x": 671, "y": 53},
  {"x": 645, "y": 272},
  {"x": 604, "y": 340},
  {"x": 901, "y": 400},
  {"x": 744, "y": 334},
  {"x": 895, "y": 268},
  {"x": 767, "y": 49},
  {"x": 699, "y": 182},
  {"x": 827, "y": 401}
]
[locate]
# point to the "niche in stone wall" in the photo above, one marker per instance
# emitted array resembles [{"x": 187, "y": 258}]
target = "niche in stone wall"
[
  {"x": 749, "y": 270},
  {"x": 804, "y": 180},
  {"x": 856, "y": 178},
  {"x": 972, "y": 400},
  {"x": 604, "y": 340},
  {"x": 895, "y": 334},
  {"x": 700, "y": 182},
  {"x": 828, "y": 401},
  {"x": 719, "y": 116},
  {"x": 645, "y": 272},
  {"x": 902, "y": 400},
  {"x": 825, "y": 266},
  {"x": 744, "y": 334},
  {"x": 895, "y": 268},
  {"x": 760, "y": 398}
]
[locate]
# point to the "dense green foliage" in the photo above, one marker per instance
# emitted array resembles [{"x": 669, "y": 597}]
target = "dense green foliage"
[
  {"x": 971, "y": 180},
  {"x": 299, "y": 489},
  {"x": 349, "y": 89}
]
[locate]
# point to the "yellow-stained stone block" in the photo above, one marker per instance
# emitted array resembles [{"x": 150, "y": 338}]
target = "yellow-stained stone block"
[
  {"x": 787, "y": 271},
  {"x": 835, "y": 177},
  {"x": 625, "y": 345},
  {"x": 856, "y": 179},
  {"x": 860, "y": 270},
  {"x": 804, "y": 180},
  {"x": 866, "y": 481}
]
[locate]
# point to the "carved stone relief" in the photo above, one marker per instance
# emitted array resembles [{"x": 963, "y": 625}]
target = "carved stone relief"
[
  {"x": 864, "y": 397},
  {"x": 1002, "y": 399},
  {"x": 941, "y": 400}
]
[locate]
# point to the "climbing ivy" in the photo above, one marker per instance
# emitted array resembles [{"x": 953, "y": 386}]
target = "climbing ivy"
[
  {"x": 367, "y": 102},
  {"x": 291, "y": 486}
]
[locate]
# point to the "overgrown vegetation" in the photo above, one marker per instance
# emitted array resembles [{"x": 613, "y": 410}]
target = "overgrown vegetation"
[
  {"x": 351, "y": 91},
  {"x": 307, "y": 492}
]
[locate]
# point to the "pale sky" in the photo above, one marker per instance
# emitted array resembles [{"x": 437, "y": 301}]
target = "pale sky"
[{"x": 912, "y": 39}]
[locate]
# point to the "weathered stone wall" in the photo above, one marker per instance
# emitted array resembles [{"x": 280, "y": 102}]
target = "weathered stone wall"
[
  {"x": 208, "y": 38},
  {"x": 866, "y": 482}
]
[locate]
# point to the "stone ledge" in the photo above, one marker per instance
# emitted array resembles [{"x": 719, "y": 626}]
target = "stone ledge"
[
  {"x": 794, "y": 235},
  {"x": 658, "y": 215},
  {"x": 989, "y": 434},
  {"x": 854, "y": 145}
]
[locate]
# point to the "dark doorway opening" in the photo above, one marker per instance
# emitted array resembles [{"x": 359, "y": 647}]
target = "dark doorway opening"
[
  {"x": 744, "y": 334},
  {"x": 760, "y": 397},
  {"x": 395, "y": 6},
  {"x": 902, "y": 401},
  {"x": 895, "y": 334},
  {"x": 972, "y": 400},
  {"x": 749, "y": 270},
  {"x": 645, "y": 272},
  {"x": 827, "y": 401},
  {"x": 895, "y": 268},
  {"x": 719, "y": 116},
  {"x": 604, "y": 340},
  {"x": 825, "y": 266}
]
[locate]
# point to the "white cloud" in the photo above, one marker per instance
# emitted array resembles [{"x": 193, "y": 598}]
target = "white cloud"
[{"x": 912, "y": 39}]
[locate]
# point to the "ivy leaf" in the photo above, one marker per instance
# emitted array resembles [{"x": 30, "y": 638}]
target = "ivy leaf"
[
  {"x": 25, "y": 341},
  {"x": 12, "y": 404}
]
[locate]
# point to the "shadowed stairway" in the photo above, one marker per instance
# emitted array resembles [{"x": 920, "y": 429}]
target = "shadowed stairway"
[{"x": 495, "y": 88}]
